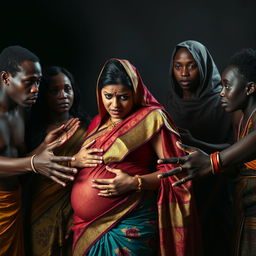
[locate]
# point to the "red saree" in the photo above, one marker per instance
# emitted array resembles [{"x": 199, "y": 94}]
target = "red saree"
[{"x": 127, "y": 147}]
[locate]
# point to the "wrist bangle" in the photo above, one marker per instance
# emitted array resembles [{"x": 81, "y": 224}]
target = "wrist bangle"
[
  {"x": 139, "y": 179},
  {"x": 32, "y": 164},
  {"x": 215, "y": 162}
]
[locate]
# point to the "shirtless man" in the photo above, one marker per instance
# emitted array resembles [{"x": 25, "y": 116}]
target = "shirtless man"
[{"x": 20, "y": 74}]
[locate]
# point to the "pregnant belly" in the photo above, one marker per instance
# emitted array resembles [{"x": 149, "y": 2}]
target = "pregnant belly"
[{"x": 86, "y": 202}]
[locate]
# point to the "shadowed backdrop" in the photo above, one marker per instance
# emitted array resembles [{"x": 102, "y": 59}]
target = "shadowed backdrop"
[{"x": 81, "y": 35}]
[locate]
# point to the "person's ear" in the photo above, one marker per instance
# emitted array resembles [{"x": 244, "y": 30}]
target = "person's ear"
[
  {"x": 250, "y": 87},
  {"x": 5, "y": 77}
]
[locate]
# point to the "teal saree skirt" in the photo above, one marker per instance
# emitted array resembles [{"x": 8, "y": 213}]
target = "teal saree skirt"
[{"x": 135, "y": 234}]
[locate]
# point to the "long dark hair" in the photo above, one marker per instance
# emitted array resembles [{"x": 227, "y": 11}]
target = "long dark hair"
[
  {"x": 114, "y": 73},
  {"x": 38, "y": 110},
  {"x": 36, "y": 123}
]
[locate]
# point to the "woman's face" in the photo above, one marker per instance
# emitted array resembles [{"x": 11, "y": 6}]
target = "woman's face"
[
  {"x": 60, "y": 94},
  {"x": 185, "y": 70},
  {"x": 234, "y": 90},
  {"x": 118, "y": 100}
]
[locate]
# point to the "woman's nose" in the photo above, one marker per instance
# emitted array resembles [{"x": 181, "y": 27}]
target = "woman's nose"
[
  {"x": 184, "y": 71},
  {"x": 62, "y": 94}
]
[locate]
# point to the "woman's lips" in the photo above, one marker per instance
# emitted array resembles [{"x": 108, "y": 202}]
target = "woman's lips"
[
  {"x": 115, "y": 112},
  {"x": 184, "y": 82}
]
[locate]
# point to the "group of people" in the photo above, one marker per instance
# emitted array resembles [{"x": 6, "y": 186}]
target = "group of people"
[{"x": 122, "y": 183}]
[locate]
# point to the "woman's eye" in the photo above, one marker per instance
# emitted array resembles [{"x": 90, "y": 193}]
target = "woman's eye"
[
  {"x": 108, "y": 96},
  {"x": 178, "y": 67},
  {"x": 192, "y": 66},
  {"x": 124, "y": 97},
  {"x": 68, "y": 89}
]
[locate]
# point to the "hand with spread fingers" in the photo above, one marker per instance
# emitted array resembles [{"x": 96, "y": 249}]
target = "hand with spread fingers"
[
  {"x": 87, "y": 157},
  {"x": 46, "y": 163},
  {"x": 119, "y": 185},
  {"x": 62, "y": 133},
  {"x": 197, "y": 163}
]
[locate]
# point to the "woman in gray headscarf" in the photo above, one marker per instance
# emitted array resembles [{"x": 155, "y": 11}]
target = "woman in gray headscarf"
[{"x": 194, "y": 104}]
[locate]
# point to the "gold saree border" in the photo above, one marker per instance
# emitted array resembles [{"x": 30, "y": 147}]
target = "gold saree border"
[
  {"x": 178, "y": 214},
  {"x": 101, "y": 225},
  {"x": 133, "y": 138}
]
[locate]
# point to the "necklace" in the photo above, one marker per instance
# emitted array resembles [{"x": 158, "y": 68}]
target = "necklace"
[
  {"x": 111, "y": 125},
  {"x": 246, "y": 124}
]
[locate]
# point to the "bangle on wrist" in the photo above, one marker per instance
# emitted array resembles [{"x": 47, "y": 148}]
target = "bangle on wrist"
[
  {"x": 32, "y": 164},
  {"x": 215, "y": 162},
  {"x": 139, "y": 186}
]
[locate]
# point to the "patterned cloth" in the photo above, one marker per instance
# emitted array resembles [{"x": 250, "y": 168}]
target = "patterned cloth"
[
  {"x": 127, "y": 147},
  {"x": 246, "y": 203}
]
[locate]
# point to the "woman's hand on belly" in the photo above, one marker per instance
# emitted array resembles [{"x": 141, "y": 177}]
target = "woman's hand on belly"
[
  {"x": 121, "y": 184},
  {"x": 87, "y": 157}
]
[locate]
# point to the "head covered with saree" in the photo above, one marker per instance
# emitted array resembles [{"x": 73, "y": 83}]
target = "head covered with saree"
[
  {"x": 142, "y": 96},
  {"x": 183, "y": 110},
  {"x": 146, "y": 119}
]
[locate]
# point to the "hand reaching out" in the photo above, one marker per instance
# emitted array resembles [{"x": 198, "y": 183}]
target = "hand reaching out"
[
  {"x": 195, "y": 164},
  {"x": 62, "y": 133},
  {"x": 46, "y": 163}
]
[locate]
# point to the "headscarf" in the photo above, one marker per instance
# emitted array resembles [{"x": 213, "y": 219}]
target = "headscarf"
[
  {"x": 142, "y": 96},
  {"x": 202, "y": 115}
]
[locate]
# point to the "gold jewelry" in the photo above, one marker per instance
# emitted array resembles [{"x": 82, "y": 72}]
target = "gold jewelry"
[
  {"x": 139, "y": 179},
  {"x": 32, "y": 164},
  {"x": 112, "y": 124}
]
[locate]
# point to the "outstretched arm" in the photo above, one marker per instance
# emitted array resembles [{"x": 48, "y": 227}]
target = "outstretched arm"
[
  {"x": 42, "y": 160},
  {"x": 197, "y": 163},
  {"x": 44, "y": 163}
]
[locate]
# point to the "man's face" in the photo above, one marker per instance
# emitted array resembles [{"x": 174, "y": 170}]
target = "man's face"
[{"x": 23, "y": 87}]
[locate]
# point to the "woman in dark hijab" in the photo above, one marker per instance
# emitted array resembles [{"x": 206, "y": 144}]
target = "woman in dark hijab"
[
  {"x": 200, "y": 112},
  {"x": 194, "y": 105}
]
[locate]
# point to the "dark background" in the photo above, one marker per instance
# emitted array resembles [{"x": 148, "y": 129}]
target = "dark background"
[{"x": 81, "y": 35}]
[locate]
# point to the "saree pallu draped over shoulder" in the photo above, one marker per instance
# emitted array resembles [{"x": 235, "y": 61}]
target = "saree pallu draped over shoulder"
[
  {"x": 175, "y": 207},
  {"x": 115, "y": 225}
]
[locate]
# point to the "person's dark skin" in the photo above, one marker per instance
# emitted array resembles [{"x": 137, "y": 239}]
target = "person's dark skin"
[
  {"x": 185, "y": 72},
  {"x": 16, "y": 92},
  {"x": 59, "y": 99},
  {"x": 237, "y": 94}
]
